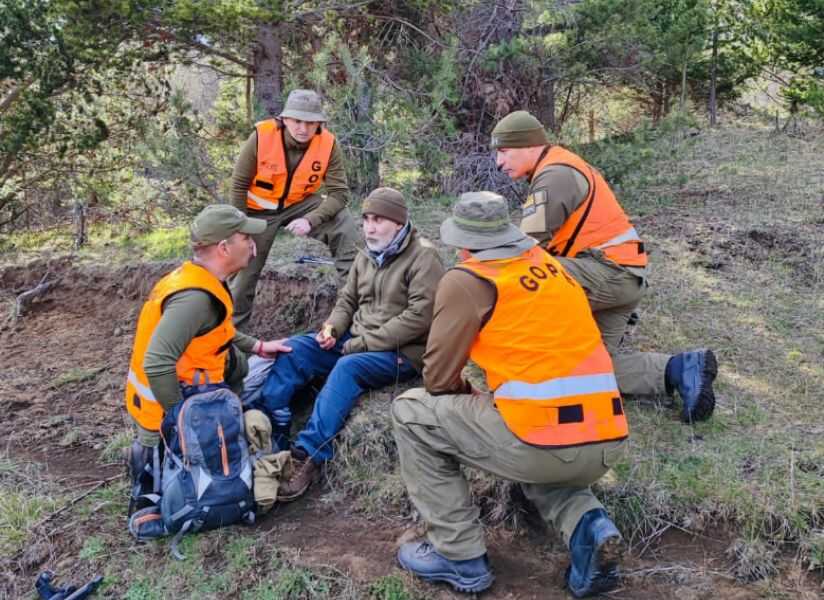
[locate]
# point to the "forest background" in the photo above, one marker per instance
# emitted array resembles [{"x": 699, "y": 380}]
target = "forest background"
[{"x": 129, "y": 113}]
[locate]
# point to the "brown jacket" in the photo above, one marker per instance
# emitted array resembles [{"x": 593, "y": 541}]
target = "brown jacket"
[{"x": 390, "y": 308}]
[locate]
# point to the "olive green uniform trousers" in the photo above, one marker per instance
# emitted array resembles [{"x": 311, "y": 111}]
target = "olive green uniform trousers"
[
  {"x": 340, "y": 235},
  {"x": 437, "y": 434},
  {"x": 613, "y": 293}
]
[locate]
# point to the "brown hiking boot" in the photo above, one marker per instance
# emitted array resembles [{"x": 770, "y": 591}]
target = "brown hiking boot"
[{"x": 304, "y": 473}]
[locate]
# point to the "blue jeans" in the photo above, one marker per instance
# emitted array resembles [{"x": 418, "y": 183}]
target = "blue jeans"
[{"x": 347, "y": 377}]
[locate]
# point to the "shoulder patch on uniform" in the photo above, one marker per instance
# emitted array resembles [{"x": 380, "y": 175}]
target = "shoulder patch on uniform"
[
  {"x": 539, "y": 196},
  {"x": 533, "y": 201}
]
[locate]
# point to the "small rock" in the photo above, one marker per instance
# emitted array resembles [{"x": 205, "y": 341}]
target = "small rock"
[{"x": 118, "y": 332}]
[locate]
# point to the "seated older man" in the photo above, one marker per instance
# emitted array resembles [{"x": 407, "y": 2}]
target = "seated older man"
[{"x": 374, "y": 337}]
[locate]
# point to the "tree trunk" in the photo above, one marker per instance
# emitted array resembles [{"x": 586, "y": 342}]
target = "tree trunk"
[
  {"x": 714, "y": 77},
  {"x": 666, "y": 99},
  {"x": 682, "y": 105},
  {"x": 249, "y": 97},
  {"x": 268, "y": 67},
  {"x": 368, "y": 152},
  {"x": 79, "y": 224},
  {"x": 547, "y": 105},
  {"x": 591, "y": 126},
  {"x": 567, "y": 106}
]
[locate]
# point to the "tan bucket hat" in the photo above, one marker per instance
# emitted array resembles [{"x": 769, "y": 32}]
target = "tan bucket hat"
[
  {"x": 479, "y": 221},
  {"x": 305, "y": 105}
]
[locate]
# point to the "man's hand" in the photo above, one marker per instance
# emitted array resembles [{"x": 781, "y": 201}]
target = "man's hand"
[
  {"x": 324, "y": 337},
  {"x": 271, "y": 348},
  {"x": 299, "y": 227}
]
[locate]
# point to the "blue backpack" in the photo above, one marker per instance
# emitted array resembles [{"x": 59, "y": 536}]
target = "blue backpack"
[{"x": 206, "y": 480}]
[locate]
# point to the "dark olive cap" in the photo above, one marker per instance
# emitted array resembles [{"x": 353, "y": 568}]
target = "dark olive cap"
[
  {"x": 518, "y": 129},
  {"x": 218, "y": 222}
]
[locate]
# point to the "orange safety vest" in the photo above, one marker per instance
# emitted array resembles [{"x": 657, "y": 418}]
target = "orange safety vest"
[
  {"x": 274, "y": 187},
  {"x": 543, "y": 355},
  {"x": 599, "y": 222},
  {"x": 205, "y": 354}
]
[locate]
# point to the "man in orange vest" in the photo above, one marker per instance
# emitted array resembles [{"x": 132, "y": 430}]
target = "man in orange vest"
[
  {"x": 290, "y": 172},
  {"x": 554, "y": 419},
  {"x": 571, "y": 210},
  {"x": 185, "y": 340}
]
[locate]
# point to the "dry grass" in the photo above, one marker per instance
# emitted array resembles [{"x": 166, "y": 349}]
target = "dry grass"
[{"x": 735, "y": 221}]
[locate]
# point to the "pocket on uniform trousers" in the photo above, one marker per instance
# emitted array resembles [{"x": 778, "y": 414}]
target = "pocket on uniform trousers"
[
  {"x": 469, "y": 421},
  {"x": 424, "y": 416},
  {"x": 614, "y": 453},
  {"x": 567, "y": 455}
]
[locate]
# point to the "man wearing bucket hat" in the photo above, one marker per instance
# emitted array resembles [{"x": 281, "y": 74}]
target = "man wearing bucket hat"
[
  {"x": 571, "y": 210},
  {"x": 374, "y": 337},
  {"x": 185, "y": 335},
  {"x": 278, "y": 178},
  {"x": 553, "y": 421}
]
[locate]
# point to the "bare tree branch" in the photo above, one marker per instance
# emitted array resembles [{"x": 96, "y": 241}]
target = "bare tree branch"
[{"x": 200, "y": 46}]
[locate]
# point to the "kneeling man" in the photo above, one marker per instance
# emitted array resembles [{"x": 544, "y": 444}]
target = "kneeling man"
[
  {"x": 374, "y": 337},
  {"x": 553, "y": 422},
  {"x": 185, "y": 340}
]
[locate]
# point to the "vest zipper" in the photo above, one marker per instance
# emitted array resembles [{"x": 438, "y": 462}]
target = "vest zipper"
[
  {"x": 289, "y": 173},
  {"x": 224, "y": 456}
]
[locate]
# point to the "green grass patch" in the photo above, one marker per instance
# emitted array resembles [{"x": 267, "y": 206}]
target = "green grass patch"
[
  {"x": 93, "y": 548},
  {"x": 104, "y": 242},
  {"x": 25, "y": 500},
  {"x": 76, "y": 375},
  {"x": 163, "y": 244},
  {"x": 55, "y": 238},
  {"x": 391, "y": 587},
  {"x": 112, "y": 451}
]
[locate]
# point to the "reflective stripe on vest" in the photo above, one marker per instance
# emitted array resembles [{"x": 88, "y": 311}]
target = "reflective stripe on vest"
[
  {"x": 558, "y": 388},
  {"x": 144, "y": 390},
  {"x": 206, "y": 354},
  {"x": 254, "y": 199},
  {"x": 629, "y": 236},
  {"x": 599, "y": 222},
  {"x": 274, "y": 187},
  {"x": 543, "y": 355}
]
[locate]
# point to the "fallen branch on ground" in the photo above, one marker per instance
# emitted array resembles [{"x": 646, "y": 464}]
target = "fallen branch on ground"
[
  {"x": 75, "y": 500},
  {"x": 25, "y": 299}
]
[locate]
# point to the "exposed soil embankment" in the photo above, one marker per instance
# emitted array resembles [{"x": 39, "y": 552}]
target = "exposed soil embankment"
[{"x": 66, "y": 357}]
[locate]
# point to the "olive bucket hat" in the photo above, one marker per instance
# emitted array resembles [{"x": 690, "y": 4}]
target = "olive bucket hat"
[
  {"x": 480, "y": 221},
  {"x": 304, "y": 105}
]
